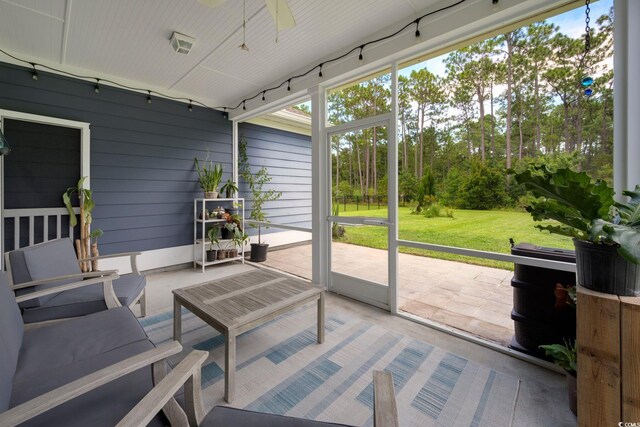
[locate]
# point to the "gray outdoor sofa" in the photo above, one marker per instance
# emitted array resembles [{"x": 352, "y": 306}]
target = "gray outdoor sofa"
[
  {"x": 54, "y": 263},
  {"x": 100, "y": 370}
]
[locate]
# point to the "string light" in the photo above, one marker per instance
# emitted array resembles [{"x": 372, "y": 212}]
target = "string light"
[
  {"x": 242, "y": 103},
  {"x": 96, "y": 88},
  {"x": 190, "y": 105},
  {"x": 263, "y": 98}
]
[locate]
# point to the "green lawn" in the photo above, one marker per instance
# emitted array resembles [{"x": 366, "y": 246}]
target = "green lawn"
[{"x": 484, "y": 230}]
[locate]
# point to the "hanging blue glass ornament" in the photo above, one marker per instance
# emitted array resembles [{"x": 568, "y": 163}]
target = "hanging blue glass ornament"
[
  {"x": 587, "y": 81},
  {"x": 588, "y": 91}
]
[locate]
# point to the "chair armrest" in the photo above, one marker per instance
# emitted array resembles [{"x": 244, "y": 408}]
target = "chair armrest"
[
  {"x": 158, "y": 397},
  {"x": 65, "y": 277},
  {"x": 67, "y": 392},
  {"x": 385, "y": 412},
  {"x": 132, "y": 255},
  {"x": 109, "y": 295}
]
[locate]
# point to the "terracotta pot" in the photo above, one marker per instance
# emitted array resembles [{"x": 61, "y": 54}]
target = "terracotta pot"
[
  {"x": 222, "y": 254},
  {"x": 232, "y": 253}
]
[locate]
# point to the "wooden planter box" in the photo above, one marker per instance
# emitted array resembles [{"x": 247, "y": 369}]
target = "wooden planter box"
[{"x": 608, "y": 337}]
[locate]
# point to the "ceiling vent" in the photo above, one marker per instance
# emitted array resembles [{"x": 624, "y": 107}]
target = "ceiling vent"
[{"x": 182, "y": 43}]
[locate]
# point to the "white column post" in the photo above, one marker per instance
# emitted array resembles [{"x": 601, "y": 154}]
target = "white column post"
[
  {"x": 392, "y": 192},
  {"x": 626, "y": 96},
  {"x": 234, "y": 151},
  {"x": 320, "y": 243}
]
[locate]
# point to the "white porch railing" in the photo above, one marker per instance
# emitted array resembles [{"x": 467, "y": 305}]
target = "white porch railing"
[{"x": 32, "y": 214}]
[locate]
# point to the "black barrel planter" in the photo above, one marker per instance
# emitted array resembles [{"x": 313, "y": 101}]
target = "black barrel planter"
[
  {"x": 602, "y": 269},
  {"x": 536, "y": 319}
]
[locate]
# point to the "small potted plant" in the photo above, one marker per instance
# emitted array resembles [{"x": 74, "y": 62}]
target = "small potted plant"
[
  {"x": 566, "y": 357},
  {"x": 206, "y": 214},
  {"x": 212, "y": 253},
  {"x": 259, "y": 196},
  {"x": 229, "y": 188},
  {"x": 239, "y": 239},
  {"x": 209, "y": 178},
  {"x": 606, "y": 233}
]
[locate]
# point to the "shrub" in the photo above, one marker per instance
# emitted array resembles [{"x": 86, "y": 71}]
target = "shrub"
[{"x": 484, "y": 189}]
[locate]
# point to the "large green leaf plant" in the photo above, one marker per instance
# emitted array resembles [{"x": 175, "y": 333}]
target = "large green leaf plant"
[{"x": 585, "y": 209}]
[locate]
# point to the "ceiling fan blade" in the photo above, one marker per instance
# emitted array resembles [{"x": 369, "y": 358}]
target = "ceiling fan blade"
[
  {"x": 283, "y": 18},
  {"x": 212, "y": 3}
]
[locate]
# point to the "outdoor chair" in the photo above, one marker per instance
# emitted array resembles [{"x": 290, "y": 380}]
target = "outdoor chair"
[
  {"x": 187, "y": 374},
  {"x": 54, "y": 264},
  {"x": 86, "y": 371}
]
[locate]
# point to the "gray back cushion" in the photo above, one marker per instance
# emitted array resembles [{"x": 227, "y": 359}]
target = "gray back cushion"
[
  {"x": 20, "y": 274},
  {"x": 50, "y": 259},
  {"x": 11, "y": 332}
]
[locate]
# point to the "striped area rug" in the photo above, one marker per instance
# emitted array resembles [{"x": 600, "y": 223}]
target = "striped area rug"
[{"x": 281, "y": 369}]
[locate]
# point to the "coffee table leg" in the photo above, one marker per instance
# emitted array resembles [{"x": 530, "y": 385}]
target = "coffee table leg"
[
  {"x": 177, "y": 320},
  {"x": 229, "y": 366},
  {"x": 321, "y": 318}
]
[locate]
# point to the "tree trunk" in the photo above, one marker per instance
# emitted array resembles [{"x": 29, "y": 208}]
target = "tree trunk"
[
  {"x": 480, "y": 93},
  {"x": 421, "y": 130},
  {"x": 360, "y": 171},
  {"x": 375, "y": 160},
  {"x": 509, "y": 40},
  {"x": 567, "y": 141},
  {"x": 493, "y": 123},
  {"x": 536, "y": 90}
]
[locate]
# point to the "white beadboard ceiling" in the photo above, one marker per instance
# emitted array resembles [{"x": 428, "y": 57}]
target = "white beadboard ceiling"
[{"x": 129, "y": 39}]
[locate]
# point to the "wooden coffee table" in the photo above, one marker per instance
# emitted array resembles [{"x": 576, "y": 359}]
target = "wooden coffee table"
[{"x": 239, "y": 303}]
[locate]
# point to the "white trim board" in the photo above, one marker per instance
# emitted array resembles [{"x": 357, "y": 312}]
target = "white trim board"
[
  {"x": 85, "y": 150},
  {"x": 167, "y": 257}
]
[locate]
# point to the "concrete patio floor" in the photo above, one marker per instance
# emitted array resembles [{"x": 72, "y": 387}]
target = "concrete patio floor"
[{"x": 472, "y": 298}]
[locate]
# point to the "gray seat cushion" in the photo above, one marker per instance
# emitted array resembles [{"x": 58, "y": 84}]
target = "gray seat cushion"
[
  {"x": 64, "y": 343},
  {"x": 225, "y": 416},
  {"x": 55, "y": 354},
  {"x": 104, "y": 406},
  {"x": 49, "y": 259},
  {"x": 11, "y": 333},
  {"x": 86, "y": 300}
]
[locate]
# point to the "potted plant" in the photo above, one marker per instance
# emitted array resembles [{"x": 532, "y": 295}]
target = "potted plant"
[
  {"x": 206, "y": 214},
  {"x": 84, "y": 246},
  {"x": 231, "y": 230},
  {"x": 259, "y": 196},
  {"x": 212, "y": 253},
  {"x": 565, "y": 356},
  {"x": 239, "y": 240},
  {"x": 229, "y": 188},
  {"x": 209, "y": 178},
  {"x": 606, "y": 233}
]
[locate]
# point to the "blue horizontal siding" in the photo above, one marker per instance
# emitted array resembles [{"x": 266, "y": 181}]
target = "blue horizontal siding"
[
  {"x": 287, "y": 157},
  {"x": 142, "y": 154}
]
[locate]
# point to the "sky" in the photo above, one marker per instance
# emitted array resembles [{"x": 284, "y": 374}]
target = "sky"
[{"x": 571, "y": 23}]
